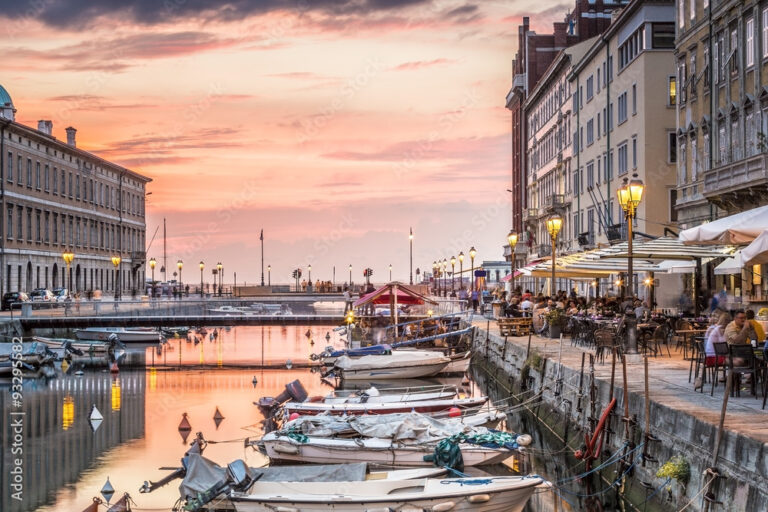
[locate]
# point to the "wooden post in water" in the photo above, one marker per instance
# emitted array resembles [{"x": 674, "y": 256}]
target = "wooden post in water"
[{"x": 718, "y": 438}]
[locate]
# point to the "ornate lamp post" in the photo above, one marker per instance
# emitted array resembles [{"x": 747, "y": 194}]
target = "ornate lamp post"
[
  {"x": 410, "y": 241},
  {"x": 220, "y": 268},
  {"x": 472, "y": 253},
  {"x": 179, "y": 265},
  {"x": 269, "y": 275},
  {"x": 202, "y": 267},
  {"x": 68, "y": 256},
  {"x": 554, "y": 224},
  {"x": 445, "y": 277},
  {"x": 453, "y": 275},
  {"x": 116, "y": 262},
  {"x": 461, "y": 269},
  {"x": 630, "y": 195},
  {"x": 435, "y": 277},
  {"x": 152, "y": 263},
  {"x": 512, "y": 239}
]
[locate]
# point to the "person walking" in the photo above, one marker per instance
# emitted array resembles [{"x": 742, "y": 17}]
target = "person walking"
[{"x": 475, "y": 300}]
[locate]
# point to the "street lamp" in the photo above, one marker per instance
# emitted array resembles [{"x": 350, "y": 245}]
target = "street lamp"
[
  {"x": 453, "y": 275},
  {"x": 116, "y": 262},
  {"x": 512, "y": 239},
  {"x": 269, "y": 275},
  {"x": 472, "y": 253},
  {"x": 202, "y": 267},
  {"x": 445, "y": 277},
  {"x": 152, "y": 263},
  {"x": 435, "y": 278},
  {"x": 554, "y": 224},
  {"x": 410, "y": 241},
  {"x": 350, "y": 277},
  {"x": 68, "y": 257},
  {"x": 220, "y": 268},
  {"x": 461, "y": 269},
  {"x": 309, "y": 268},
  {"x": 390, "y": 272},
  {"x": 630, "y": 195},
  {"x": 180, "y": 264}
]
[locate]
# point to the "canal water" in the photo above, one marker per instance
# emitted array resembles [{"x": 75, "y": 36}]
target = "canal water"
[{"x": 67, "y": 459}]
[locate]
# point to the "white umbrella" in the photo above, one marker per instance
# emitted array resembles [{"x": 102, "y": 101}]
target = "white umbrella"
[
  {"x": 731, "y": 265},
  {"x": 740, "y": 228},
  {"x": 757, "y": 251}
]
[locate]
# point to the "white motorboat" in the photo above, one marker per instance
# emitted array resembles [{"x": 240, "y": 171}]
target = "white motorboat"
[
  {"x": 421, "y": 406},
  {"x": 404, "y": 364},
  {"x": 89, "y": 347},
  {"x": 459, "y": 363},
  {"x": 389, "y": 395},
  {"x": 125, "y": 335},
  {"x": 321, "y": 450},
  {"x": 233, "y": 311},
  {"x": 504, "y": 493}
]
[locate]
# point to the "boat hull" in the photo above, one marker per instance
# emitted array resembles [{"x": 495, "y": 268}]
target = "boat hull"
[
  {"x": 507, "y": 494},
  {"x": 396, "y": 372},
  {"x": 377, "y": 451},
  {"x": 424, "y": 407}
]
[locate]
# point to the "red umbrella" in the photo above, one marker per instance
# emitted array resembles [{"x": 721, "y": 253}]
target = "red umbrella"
[{"x": 384, "y": 295}]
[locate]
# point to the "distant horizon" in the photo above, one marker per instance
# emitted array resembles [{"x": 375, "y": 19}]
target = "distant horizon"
[{"x": 333, "y": 127}]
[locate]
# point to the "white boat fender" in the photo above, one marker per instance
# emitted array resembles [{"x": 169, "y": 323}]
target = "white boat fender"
[
  {"x": 524, "y": 439},
  {"x": 445, "y": 506},
  {"x": 479, "y": 498}
]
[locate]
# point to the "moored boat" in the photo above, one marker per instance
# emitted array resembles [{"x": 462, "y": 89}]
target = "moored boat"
[
  {"x": 397, "y": 365},
  {"x": 420, "y": 406},
  {"x": 507, "y": 493},
  {"x": 125, "y": 335}
]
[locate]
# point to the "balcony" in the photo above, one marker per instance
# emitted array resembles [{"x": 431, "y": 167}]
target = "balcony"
[
  {"x": 587, "y": 239},
  {"x": 138, "y": 256},
  {"x": 530, "y": 215},
  {"x": 738, "y": 185},
  {"x": 556, "y": 201}
]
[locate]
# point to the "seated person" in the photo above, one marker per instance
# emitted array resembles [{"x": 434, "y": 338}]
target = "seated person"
[{"x": 758, "y": 328}]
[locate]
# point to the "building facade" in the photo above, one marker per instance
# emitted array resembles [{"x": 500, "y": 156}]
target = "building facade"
[
  {"x": 549, "y": 153},
  {"x": 624, "y": 123},
  {"x": 722, "y": 108},
  {"x": 57, "y": 198},
  {"x": 534, "y": 55}
]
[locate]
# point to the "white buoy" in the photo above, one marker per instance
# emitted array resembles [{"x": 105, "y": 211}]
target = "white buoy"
[
  {"x": 107, "y": 491},
  {"x": 95, "y": 414}
]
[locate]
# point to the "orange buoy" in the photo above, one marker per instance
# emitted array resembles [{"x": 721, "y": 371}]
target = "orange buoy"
[
  {"x": 454, "y": 412},
  {"x": 293, "y": 416}
]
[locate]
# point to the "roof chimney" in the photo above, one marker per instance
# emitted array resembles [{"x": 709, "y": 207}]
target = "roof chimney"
[
  {"x": 71, "y": 136},
  {"x": 45, "y": 126}
]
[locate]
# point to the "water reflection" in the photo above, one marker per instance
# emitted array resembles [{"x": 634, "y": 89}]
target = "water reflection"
[{"x": 59, "y": 443}]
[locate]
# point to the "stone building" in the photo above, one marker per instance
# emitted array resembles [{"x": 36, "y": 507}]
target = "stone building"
[
  {"x": 57, "y": 198},
  {"x": 535, "y": 53},
  {"x": 722, "y": 108}
]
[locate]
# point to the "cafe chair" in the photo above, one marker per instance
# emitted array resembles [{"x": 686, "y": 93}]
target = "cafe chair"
[
  {"x": 605, "y": 341},
  {"x": 721, "y": 352},
  {"x": 744, "y": 354}
]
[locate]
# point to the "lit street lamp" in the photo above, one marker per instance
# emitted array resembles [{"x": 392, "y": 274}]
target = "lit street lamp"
[
  {"x": 435, "y": 286},
  {"x": 630, "y": 195},
  {"x": 269, "y": 275},
  {"x": 220, "y": 268},
  {"x": 152, "y": 263},
  {"x": 116, "y": 262},
  {"x": 512, "y": 239},
  {"x": 180, "y": 264},
  {"x": 554, "y": 224},
  {"x": 445, "y": 277},
  {"x": 309, "y": 268},
  {"x": 461, "y": 269},
  {"x": 68, "y": 257},
  {"x": 202, "y": 267},
  {"x": 453, "y": 276},
  {"x": 472, "y": 253}
]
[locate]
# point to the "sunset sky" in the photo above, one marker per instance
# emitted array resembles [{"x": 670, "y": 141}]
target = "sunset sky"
[{"x": 332, "y": 125}]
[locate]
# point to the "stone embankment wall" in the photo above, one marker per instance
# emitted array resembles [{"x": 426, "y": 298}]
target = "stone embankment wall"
[{"x": 567, "y": 407}]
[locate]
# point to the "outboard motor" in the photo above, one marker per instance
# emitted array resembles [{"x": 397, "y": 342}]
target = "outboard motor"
[
  {"x": 293, "y": 391},
  {"x": 238, "y": 475}
]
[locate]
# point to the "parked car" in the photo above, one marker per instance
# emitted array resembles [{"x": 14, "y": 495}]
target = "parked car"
[
  {"x": 13, "y": 299},
  {"x": 60, "y": 294},
  {"x": 41, "y": 295}
]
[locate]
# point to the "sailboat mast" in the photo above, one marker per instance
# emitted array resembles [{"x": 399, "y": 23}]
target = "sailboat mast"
[{"x": 165, "y": 255}]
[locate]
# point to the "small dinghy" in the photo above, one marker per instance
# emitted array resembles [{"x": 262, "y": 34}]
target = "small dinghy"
[{"x": 406, "y": 364}]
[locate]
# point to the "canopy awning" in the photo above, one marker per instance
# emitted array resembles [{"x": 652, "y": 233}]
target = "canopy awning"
[
  {"x": 757, "y": 251},
  {"x": 385, "y": 295},
  {"x": 738, "y": 229},
  {"x": 730, "y": 266},
  {"x": 665, "y": 248}
]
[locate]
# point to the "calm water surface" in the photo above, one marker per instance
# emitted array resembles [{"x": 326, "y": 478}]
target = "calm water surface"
[{"x": 67, "y": 463}]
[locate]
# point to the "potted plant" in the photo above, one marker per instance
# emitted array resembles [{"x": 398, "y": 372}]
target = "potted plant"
[{"x": 556, "y": 320}]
